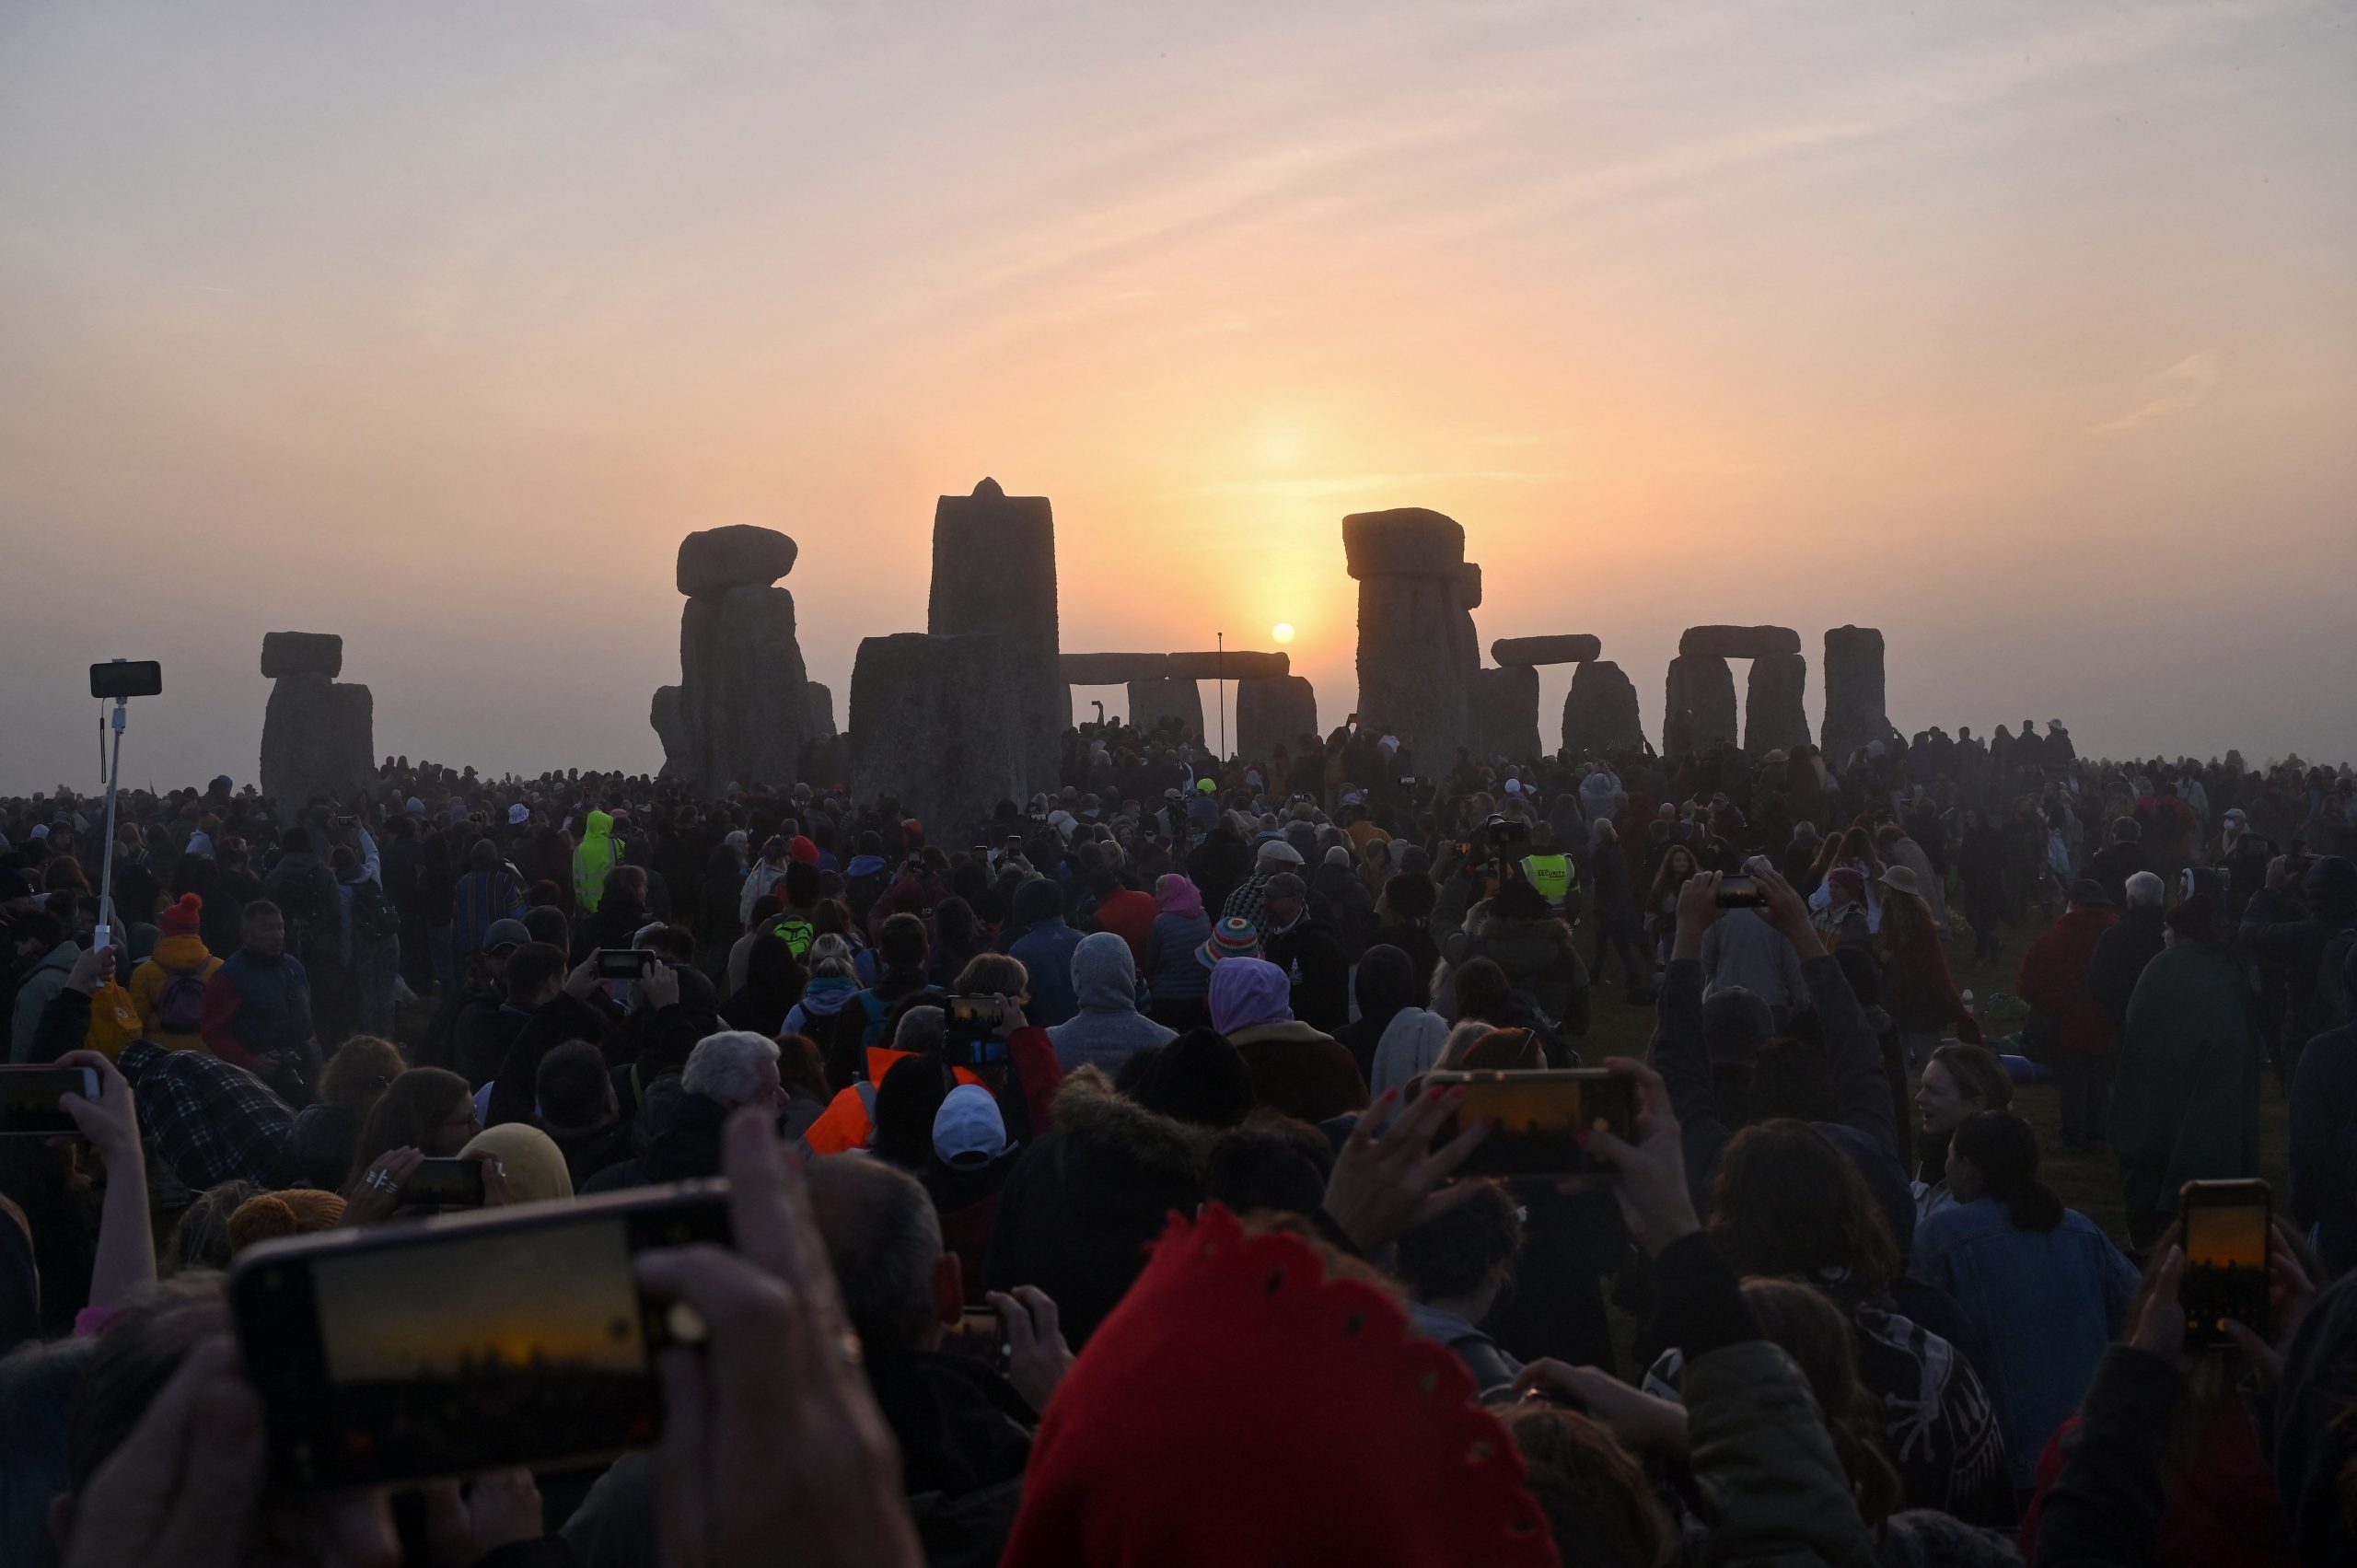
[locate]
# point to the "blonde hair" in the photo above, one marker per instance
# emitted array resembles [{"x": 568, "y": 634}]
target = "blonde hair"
[{"x": 298, "y": 1211}]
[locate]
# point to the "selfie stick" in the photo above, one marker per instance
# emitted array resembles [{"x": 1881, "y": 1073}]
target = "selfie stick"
[{"x": 103, "y": 938}]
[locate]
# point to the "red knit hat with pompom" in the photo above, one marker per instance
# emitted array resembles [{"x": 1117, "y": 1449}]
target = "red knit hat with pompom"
[
  {"x": 182, "y": 918},
  {"x": 1240, "y": 1406}
]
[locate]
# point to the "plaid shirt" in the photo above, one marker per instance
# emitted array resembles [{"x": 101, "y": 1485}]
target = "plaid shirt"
[{"x": 211, "y": 1121}]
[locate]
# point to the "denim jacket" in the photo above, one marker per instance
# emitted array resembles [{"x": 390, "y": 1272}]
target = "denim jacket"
[{"x": 2048, "y": 1302}]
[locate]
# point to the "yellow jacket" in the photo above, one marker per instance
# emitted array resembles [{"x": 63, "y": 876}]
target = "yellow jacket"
[{"x": 148, "y": 981}]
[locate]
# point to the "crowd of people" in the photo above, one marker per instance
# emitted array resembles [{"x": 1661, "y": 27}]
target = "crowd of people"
[{"x": 1141, "y": 1067}]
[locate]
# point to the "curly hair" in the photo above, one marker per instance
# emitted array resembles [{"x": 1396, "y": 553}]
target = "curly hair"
[{"x": 1788, "y": 1203}]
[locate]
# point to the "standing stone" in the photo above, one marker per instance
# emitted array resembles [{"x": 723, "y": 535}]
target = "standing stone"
[
  {"x": 1698, "y": 711},
  {"x": 1273, "y": 711},
  {"x": 1772, "y": 715},
  {"x": 994, "y": 572},
  {"x": 318, "y": 737},
  {"x": 1506, "y": 702},
  {"x": 1600, "y": 711},
  {"x": 935, "y": 725},
  {"x": 1417, "y": 653},
  {"x": 1855, "y": 715},
  {"x": 1151, "y": 702},
  {"x": 819, "y": 710},
  {"x": 738, "y": 714}
]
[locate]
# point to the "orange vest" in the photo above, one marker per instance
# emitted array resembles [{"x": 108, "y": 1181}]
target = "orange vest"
[{"x": 849, "y": 1120}]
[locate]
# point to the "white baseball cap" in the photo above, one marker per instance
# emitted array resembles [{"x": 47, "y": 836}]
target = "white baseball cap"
[{"x": 968, "y": 1131}]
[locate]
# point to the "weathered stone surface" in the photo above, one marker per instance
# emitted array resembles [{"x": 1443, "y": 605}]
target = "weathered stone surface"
[
  {"x": 1273, "y": 711},
  {"x": 318, "y": 738},
  {"x": 995, "y": 573},
  {"x": 1414, "y": 641},
  {"x": 1572, "y": 647},
  {"x": 1600, "y": 711},
  {"x": 1151, "y": 702},
  {"x": 935, "y": 725},
  {"x": 1506, "y": 702},
  {"x": 1469, "y": 585},
  {"x": 301, "y": 653},
  {"x": 1111, "y": 670},
  {"x": 817, "y": 711},
  {"x": 713, "y": 561},
  {"x": 738, "y": 714},
  {"x": 1855, "y": 714},
  {"x": 1699, "y": 709},
  {"x": 1738, "y": 641},
  {"x": 1405, "y": 542},
  {"x": 1235, "y": 664},
  {"x": 1772, "y": 716}
]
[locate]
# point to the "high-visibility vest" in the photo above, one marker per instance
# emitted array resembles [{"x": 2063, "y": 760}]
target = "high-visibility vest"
[
  {"x": 849, "y": 1120},
  {"x": 1553, "y": 875}
]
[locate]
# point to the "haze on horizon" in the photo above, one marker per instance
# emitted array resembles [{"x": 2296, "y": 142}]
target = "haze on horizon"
[{"x": 2027, "y": 334}]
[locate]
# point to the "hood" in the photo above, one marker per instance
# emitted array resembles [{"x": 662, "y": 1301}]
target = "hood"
[
  {"x": 1248, "y": 992},
  {"x": 181, "y": 952},
  {"x": 1174, "y": 894},
  {"x": 1411, "y": 1043},
  {"x": 600, "y": 825},
  {"x": 825, "y": 996},
  {"x": 1091, "y": 1113},
  {"x": 865, "y": 866},
  {"x": 1104, "y": 975}
]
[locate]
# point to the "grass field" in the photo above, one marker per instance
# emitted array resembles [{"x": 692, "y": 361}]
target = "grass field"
[{"x": 2087, "y": 1183}]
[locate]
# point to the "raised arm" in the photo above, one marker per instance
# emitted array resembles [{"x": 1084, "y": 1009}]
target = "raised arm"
[
  {"x": 1679, "y": 1052},
  {"x": 1854, "y": 1056}
]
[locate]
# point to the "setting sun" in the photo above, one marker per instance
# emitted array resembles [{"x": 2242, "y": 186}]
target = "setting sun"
[{"x": 1281, "y": 630}]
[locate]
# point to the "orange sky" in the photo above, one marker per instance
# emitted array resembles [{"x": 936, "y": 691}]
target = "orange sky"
[{"x": 2028, "y": 333}]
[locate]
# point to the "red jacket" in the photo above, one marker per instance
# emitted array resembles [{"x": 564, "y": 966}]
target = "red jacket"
[
  {"x": 1920, "y": 992},
  {"x": 2053, "y": 978}
]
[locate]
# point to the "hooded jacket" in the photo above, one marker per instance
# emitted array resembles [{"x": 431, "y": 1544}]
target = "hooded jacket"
[
  {"x": 1108, "y": 1030},
  {"x": 173, "y": 956},
  {"x": 599, "y": 852},
  {"x": 1046, "y": 951},
  {"x": 2277, "y": 931},
  {"x": 1172, "y": 973}
]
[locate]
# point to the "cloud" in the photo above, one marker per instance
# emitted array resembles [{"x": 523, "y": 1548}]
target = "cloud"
[{"x": 2174, "y": 390}]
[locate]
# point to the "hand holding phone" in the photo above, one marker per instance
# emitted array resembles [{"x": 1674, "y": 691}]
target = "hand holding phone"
[
  {"x": 622, "y": 963},
  {"x": 33, "y": 1097},
  {"x": 2227, "y": 1278}
]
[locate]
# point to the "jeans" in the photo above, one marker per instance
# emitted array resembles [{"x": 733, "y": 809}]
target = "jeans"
[{"x": 2085, "y": 1084}]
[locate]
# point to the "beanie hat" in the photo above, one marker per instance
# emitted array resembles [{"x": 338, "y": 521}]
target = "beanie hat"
[
  {"x": 183, "y": 918},
  {"x": 1256, "y": 1364},
  {"x": 802, "y": 849},
  {"x": 1235, "y": 938},
  {"x": 267, "y": 1216}
]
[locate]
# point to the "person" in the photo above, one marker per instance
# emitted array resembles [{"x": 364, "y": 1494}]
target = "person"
[
  {"x": 318, "y": 1148},
  {"x": 1678, "y": 867},
  {"x": 1921, "y": 992},
  {"x": 1385, "y": 984},
  {"x": 2122, "y": 951},
  {"x": 1297, "y": 1070},
  {"x": 1788, "y": 1203},
  {"x": 1981, "y": 867},
  {"x": 428, "y": 1111},
  {"x": 723, "y": 1072},
  {"x": 488, "y": 893},
  {"x": 2064, "y": 1016},
  {"x": 773, "y": 983},
  {"x": 2323, "y": 1096},
  {"x": 2306, "y": 941},
  {"x": 1274, "y": 858},
  {"x": 2123, "y": 858},
  {"x": 169, "y": 987},
  {"x": 546, "y": 1006},
  {"x": 1958, "y": 1081},
  {"x": 1177, "y": 983},
  {"x": 2185, "y": 1086},
  {"x": 598, "y": 853},
  {"x": 1615, "y": 908},
  {"x": 1745, "y": 949},
  {"x": 1454, "y": 1266},
  {"x": 45, "y": 956},
  {"x": 1541, "y": 957},
  {"x": 533, "y": 1168},
  {"x": 1308, "y": 949},
  {"x": 573, "y": 1093},
  {"x": 1108, "y": 1028},
  {"x": 2043, "y": 1284},
  {"x": 1045, "y": 950},
  {"x": 257, "y": 1005}
]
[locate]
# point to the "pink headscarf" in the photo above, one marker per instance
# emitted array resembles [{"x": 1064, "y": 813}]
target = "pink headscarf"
[{"x": 1175, "y": 895}]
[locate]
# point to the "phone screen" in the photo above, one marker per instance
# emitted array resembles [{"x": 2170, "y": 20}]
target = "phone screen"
[
  {"x": 1740, "y": 892},
  {"x": 28, "y": 1098},
  {"x": 2225, "y": 1259},
  {"x": 464, "y": 1343},
  {"x": 969, "y": 1031},
  {"x": 624, "y": 963},
  {"x": 1540, "y": 1118},
  {"x": 980, "y": 1333}
]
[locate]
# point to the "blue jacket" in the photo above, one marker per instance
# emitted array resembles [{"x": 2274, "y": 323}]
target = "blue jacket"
[
  {"x": 2047, "y": 1303},
  {"x": 1045, "y": 952}
]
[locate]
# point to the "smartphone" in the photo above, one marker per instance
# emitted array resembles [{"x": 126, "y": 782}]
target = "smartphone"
[
  {"x": 624, "y": 963},
  {"x": 2226, "y": 1230},
  {"x": 466, "y": 1342},
  {"x": 980, "y": 1333},
  {"x": 969, "y": 1034},
  {"x": 29, "y": 1097},
  {"x": 452, "y": 1183},
  {"x": 980, "y": 852},
  {"x": 1740, "y": 893},
  {"x": 1540, "y": 1116},
  {"x": 126, "y": 678}
]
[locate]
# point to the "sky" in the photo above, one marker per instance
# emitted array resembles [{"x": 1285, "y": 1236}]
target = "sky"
[{"x": 2025, "y": 333}]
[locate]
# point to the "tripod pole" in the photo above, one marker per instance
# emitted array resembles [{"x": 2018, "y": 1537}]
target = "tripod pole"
[{"x": 104, "y": 935}]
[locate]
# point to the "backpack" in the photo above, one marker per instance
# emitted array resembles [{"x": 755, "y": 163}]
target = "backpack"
[
  {"x": 797, "y": 931},
  {"x": 180, "y": 1008},
  {"x": 373, "y": 915}
]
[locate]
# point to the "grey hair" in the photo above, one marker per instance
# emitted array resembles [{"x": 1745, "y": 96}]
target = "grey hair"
[
  {"x": 2145, "y": 891},
  {"x": 921, "y": 1028},
  {"x": 728, "y": 1066},
  {"x": 883, "y": 1238},
  {"x": 1600, "y": 830}
]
